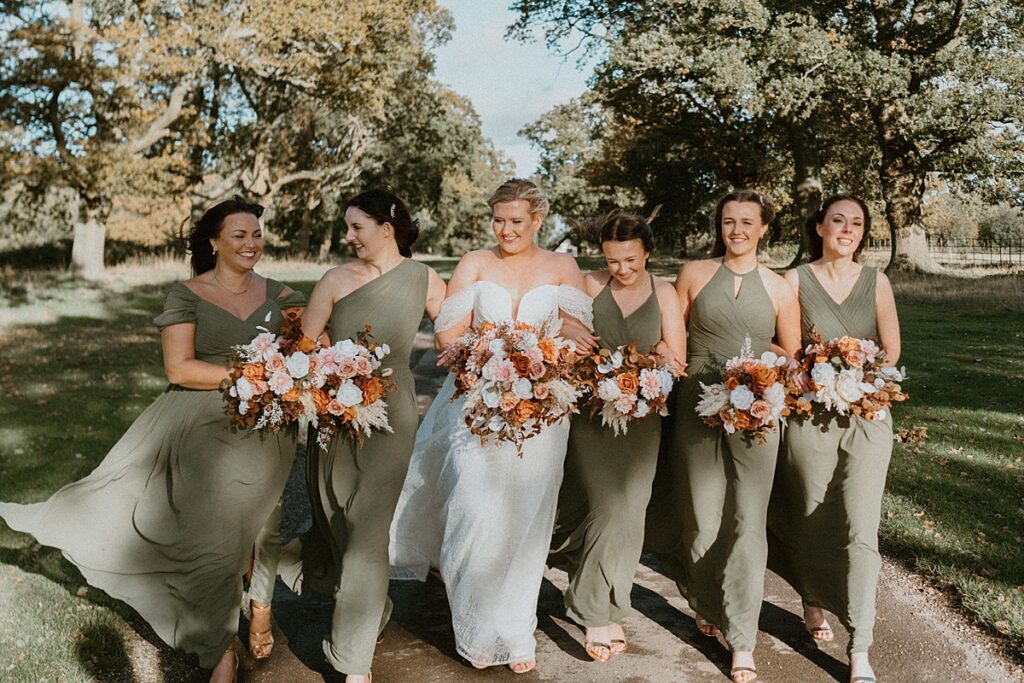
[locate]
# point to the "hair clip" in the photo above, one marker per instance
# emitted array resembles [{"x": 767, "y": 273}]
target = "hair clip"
[
  {"x": 392, "y": 210},
  {"x": 760, "y": 199}
]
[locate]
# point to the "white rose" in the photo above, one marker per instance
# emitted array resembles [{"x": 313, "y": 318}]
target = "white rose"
[
  {"x": 642, "y": 408},
  {"x": 491, "y": 394},
  {"x": 775, "y": 394},
  {"x": 823, "y": 374},
  {"x": 347, "y": 348},
  {"x": 741, "y": 397},
  {"x": 298, "y": 365},
  {"x": 608, "y": 390},
  {"x": 349, "y": 394},
  {"x": 495, "y": 424},
  {"x": 243, "y": 408},
  {"x": 497, "y": 348},
  {"x": 244, "y": 389},
  {"x": 522, "y": 388},
  {"x": 848, "y": 385},
  {"x": 772, "y": 359}
]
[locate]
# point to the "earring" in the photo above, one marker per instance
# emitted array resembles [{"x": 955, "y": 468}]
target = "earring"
[{"x": 215, "y": 251}]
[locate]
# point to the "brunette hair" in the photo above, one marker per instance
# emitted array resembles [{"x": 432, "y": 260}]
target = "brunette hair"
[
  {"x": 752, "y": 196},
  {"x": 815, "y": 246},
  {"x": 617, "y": 226},
  {"x": 197, "y": 241},
  {"x": 384, "y": 206},
  {"x": 518, "y": 188}
]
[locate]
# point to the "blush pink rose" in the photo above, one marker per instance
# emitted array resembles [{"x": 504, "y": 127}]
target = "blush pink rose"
[
  {"x": 347, "y": 368},
  {"x": 276, "y": 363},
  {"x": 541, "y": 391},
  {"x": 761, "y": 411}
]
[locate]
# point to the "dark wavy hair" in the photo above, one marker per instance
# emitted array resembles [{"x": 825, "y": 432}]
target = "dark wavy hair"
[
  {"x": 384, "y": 207},
  {"x": 752, "y": 196},
  {"x": 617, "y": 226},
  {"x": 197, "y": 241},
  {"x": 815, "y": 247}
]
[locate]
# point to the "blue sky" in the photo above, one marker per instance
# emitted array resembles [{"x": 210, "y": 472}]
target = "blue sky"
[{"x": 510, "y": 83}]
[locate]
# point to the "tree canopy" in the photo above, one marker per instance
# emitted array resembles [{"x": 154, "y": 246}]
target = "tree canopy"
[{"x": 698, "y": 96}]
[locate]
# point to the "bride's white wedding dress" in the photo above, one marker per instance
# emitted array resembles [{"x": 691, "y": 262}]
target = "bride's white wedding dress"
[{"x": 480, "y": 514}]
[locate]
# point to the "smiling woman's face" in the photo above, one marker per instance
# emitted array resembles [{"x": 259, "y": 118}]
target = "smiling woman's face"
[
  {"x": 842, "y": 230},
  {"x": 240, "y": 242},
  {"x": 514, "y": 226},
  {"x": 741, "y": 227}
]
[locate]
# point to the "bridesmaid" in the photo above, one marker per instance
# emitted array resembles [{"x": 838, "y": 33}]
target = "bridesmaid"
[
  {"x": 354, "y": 488},
  {"x": 167, "y": 521},
  {"x": 823, "y": 519},
  {"x": 608, "y": 479},
  {"x": 722, "y": 482}
]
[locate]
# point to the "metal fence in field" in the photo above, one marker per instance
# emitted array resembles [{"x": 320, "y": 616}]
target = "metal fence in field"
[{"x": 966, "y": 252}]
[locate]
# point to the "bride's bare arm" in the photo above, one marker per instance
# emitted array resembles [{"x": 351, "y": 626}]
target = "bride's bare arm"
[
  {"x": 436, "y": 290},
  {"x": 573, "y": 328},
  {"x": 452, "y": 320}
]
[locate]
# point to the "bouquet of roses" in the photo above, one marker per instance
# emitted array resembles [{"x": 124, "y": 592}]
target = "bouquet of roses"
[
  {"x": 845, "y": 376},
  {"x": 751, "y": 396},
  {"x": 355, "y": 385},
  {"x": 625, "y": 385},
  {"x": 276, "y": 380},
  {"x": 515, "y": 380}
]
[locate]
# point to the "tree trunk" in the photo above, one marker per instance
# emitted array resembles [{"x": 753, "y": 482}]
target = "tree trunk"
[
  {"x": 902, "y": 176},
  {"x": 806, "y": 188},
  {"x": 87, "y": 248}
]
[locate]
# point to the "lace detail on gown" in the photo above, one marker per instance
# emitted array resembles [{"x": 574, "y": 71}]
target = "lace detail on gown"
[
  {"x": 479, "y": 514},
  {"x": 577, "y": 304},
  {"x": 454, "y": 309}
]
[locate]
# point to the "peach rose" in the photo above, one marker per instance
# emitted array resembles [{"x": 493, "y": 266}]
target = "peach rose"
[
  {"x": 253, "y": 372},
  {"x": 523, "y": 411},
  {"x": 541, "y": 391},
  {"x": 335, "y": 408},
  {"x": 291, "y": 395},
  {"x": 761, "y": 410},
  {"x": 508, "y": 402},
  {"x": 548, "y": 348},
  {"x": 628, "y": 383}
]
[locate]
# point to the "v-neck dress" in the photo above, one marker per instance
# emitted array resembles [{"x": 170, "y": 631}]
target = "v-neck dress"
[
  {"x": 168, "y": 519},
  {"x": 824, "y": 514},
  {"x": 721, "y": 482},
  {"x": 354, "y": 488},
  {"x": 599, "y": 531}
]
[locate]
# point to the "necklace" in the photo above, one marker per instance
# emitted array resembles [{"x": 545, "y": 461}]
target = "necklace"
[{"x": 223, "y": 286}]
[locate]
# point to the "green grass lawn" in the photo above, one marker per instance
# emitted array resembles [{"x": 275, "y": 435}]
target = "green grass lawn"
[{"x": 954, "y": 510}]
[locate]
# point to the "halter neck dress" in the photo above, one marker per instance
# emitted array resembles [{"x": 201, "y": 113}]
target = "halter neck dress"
[{"x": 824, "y": 514}]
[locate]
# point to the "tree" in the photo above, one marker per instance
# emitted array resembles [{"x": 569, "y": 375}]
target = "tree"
[{"x": 915, "y": 88}]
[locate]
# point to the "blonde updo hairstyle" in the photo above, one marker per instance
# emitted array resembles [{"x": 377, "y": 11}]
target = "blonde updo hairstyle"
[{"x": 519, "y": 188}]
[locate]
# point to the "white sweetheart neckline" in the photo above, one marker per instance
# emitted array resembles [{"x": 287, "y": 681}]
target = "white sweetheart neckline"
[{"x": 509, "y": 294}]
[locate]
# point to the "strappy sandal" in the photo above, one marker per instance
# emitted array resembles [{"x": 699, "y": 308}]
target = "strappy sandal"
[
  {"x": 594, "y": 647},
  {"x": 821, "y": 634},
  {"x": 530, "y": 666},
  {"x": 738, "y": 674},
  {"x": 705, "y": 627},
  {"x": 261, "y": 643},
  {"x": 618, "y": 644}
]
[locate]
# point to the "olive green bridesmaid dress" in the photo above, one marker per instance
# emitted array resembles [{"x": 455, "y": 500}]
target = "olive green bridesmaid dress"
[
  {"x": 600, "y": 529},
  {"x": 823, "y": 520},
  {"x": 354, "y": 489},
  {"x": 722, "y": 482},
  {"x": 167, "y": 520}
]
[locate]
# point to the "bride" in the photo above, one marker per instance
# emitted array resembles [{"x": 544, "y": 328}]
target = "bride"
[{"x": 479, "y": 514}]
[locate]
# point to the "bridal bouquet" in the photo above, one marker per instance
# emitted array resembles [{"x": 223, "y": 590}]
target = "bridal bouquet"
[
  {"x": 276, "y": 380},
  {"x": 751, "y": 396},
  {"x": 625, "y": 385},
  {"x": 515, "y": 380},
  {"x": 846, "y": 376}
]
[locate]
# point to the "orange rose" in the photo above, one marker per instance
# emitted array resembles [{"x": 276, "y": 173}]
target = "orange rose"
[
  {"x": 523, "y": 411},
  {"x": 487, "y": 327},
  {"x": 320, "y": 401},
  {"x": 628, "y": 383},
  {"x": 253, "y": 372},
  {"x": 522, "y": 364},
  {"x": 548, "y": 348},
  {"x": 744, "y": 422},
  {"x": 731, "y": 382},
  {"x": 372, "y": 390},
  {"x": 305, "y": 344},
  {"x": 291, "y": 395}
]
